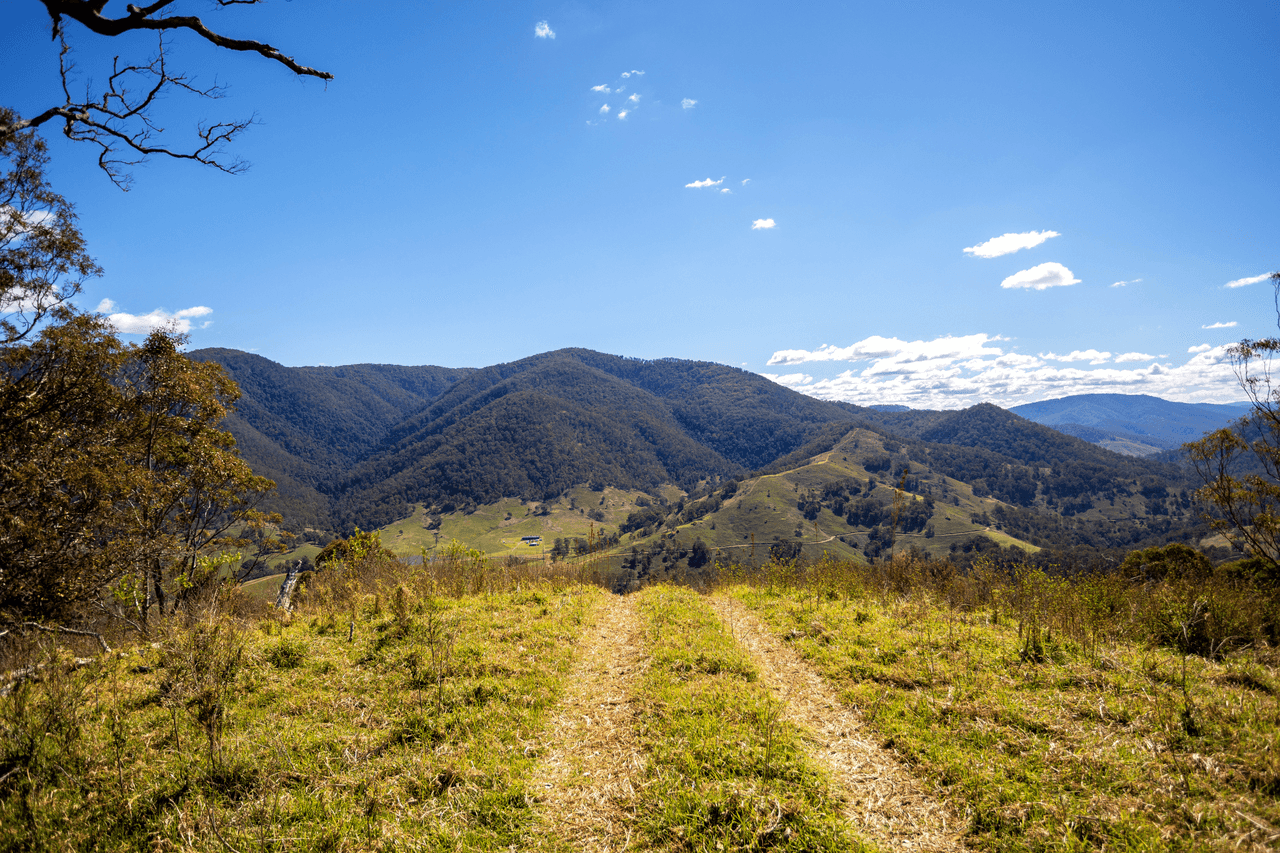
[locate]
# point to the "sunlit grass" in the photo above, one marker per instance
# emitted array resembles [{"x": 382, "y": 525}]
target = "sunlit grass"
[
  {"x": 415, "y": 733},
  {"x": 1044, "y": 742},
  {"x": 725, "y": 771}
]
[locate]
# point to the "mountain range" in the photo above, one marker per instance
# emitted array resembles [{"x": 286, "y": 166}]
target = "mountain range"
[
  {"x": 370, "y": 444},
  {"x": 1134, "y": 424}
]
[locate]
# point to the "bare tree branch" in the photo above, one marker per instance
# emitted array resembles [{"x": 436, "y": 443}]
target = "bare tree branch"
[
  {"x": 119, "y": 119},
  {"x": 62, "y": 629},
  {"x": 89, "y": 13}
]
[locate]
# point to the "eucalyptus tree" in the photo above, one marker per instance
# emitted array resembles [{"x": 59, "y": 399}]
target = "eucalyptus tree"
[{"x": 1240, "y": 466}]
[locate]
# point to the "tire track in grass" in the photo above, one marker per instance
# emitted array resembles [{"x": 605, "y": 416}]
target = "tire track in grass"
[
  {"x": 883, "y": 801},
  {"x": 586, "y": 780}
]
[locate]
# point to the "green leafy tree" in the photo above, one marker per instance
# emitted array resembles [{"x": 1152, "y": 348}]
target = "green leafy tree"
[
  {"x": 113, "y": 469},
  {"x": 195, "y": 489},
  {"x": 1240, "y": 467},
  {"x": 43, "y": 261},
  {"x": 114, "y": 472}
]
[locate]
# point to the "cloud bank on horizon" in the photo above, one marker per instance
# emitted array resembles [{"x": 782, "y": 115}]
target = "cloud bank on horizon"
[{"x": 952, "y": 372}]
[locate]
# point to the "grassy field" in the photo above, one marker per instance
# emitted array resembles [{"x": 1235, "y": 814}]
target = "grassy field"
[
  {"x": 392, "y": 720},
  {"x": 497, "y": 528},
  {"x": 1048, "y": 731},
  {"x": 409, "y": 707},
  {"x": 725, "y": 771}
]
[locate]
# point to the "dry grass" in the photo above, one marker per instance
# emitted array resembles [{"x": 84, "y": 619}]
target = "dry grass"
[{"x": 585, "y": 786}]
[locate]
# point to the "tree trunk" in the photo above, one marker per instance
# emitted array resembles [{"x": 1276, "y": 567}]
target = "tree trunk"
[{"x": 284, "y": 599}]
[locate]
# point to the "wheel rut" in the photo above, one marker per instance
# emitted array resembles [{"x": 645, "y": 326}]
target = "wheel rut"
[
  {"x": 586, "y": 782},
  {"x": 883, "y": 801}
]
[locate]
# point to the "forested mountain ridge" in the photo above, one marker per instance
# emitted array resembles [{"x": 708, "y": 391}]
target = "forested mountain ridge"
[
  {"x": 300, "y": 426},
  {"x": 361, "y": 445},
  {"x": 535, "y": 427}
]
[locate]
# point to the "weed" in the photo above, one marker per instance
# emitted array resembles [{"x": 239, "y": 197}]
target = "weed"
[{"x": 288, "y": 653}]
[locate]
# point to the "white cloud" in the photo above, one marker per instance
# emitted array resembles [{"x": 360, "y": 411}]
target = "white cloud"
[
  {"x": 706, "y": 183},
  {"x": 789, "y": 379},
  {"x": 635, "y": 99},
  {"x": 727, "y": 190},
  {"x": 1226, "y": 325},
  {"x": 22, "y": 301},
  {"x": 141, "y": 324},
  {"x": 622, "y": 114},
  {"x": 1041, "y": 277},
  {"x": 1090, "y": 355},
  {"x": 1200, "y": 348},
  {"x": 1242, "y": 282},
  {"x": 745, "y": 181},
  {"x": 543, "y": 30},
  {"x": 601, "y": 88},
  {"x": 604, "y": 110},
  {"x": 1006, "y": 244},
  {"x": 629, "y": 73},
  {"x": 688, "y": 103},
  {"x": 757, "y": 224},
  {"x": 1134, "y": 356},
  {"x": 1123, "y": 283},
  {"x": 877, "y": 347},
  {"x": 953, "y": 372}
]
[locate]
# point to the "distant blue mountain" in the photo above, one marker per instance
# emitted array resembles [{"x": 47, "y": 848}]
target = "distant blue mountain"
[{"x": 1136, "y": 424}]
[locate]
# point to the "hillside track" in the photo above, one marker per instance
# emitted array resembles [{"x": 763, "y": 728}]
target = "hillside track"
[
  {"x": 883, "y": 801},
  {"x": 586, "y": 783}
]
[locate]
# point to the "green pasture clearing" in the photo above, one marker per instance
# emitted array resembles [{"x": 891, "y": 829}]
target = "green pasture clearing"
[
  {"x": 497, "y": 528},
  {"x": 264, "y": 588}
]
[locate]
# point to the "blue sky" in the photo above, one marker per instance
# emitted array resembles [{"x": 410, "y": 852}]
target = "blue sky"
[{"x": 820, "y": 194}]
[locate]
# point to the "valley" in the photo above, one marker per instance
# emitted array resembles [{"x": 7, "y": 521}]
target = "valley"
[{"x": 668, "y": 467}]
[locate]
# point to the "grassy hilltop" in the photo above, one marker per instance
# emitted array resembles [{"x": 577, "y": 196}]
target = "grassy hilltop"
[{"x": 474, "y": 704}]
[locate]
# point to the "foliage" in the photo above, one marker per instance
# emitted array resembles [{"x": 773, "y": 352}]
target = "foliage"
[
  {"x": 1240, "y": 467},
  {"x": 43, "y": 261},
  {"x": 115, "y": 472}
]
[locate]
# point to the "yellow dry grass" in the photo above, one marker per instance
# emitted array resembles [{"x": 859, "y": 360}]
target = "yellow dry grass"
[{"x": 586, "y": 782}]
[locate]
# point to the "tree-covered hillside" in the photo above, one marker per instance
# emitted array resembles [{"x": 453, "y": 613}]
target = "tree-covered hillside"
[{"x": 364, "y": 444}]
